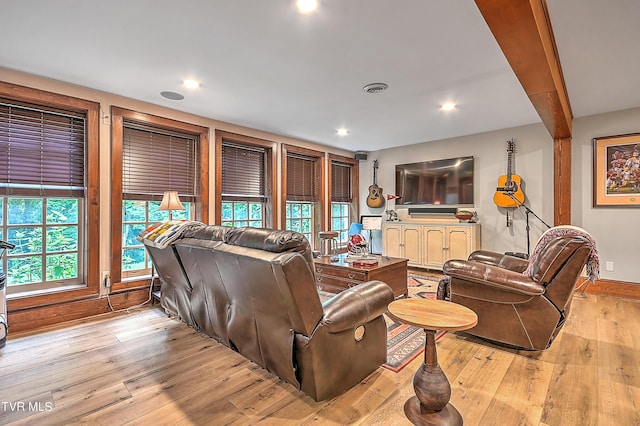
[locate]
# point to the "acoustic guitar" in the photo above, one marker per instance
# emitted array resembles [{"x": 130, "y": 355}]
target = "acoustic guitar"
[
  {"x": 375, "y": 199},
  {"x": 509, "y": 191}
]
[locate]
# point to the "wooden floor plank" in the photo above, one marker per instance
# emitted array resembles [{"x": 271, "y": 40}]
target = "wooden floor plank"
[
  {"x": 618, "y": 361},
  {"x": 68, "y": 413},
  {"x": 517, "y": 401},
  {"x": 68, "y": 371},
  {"x": 145, "y": 368},
  {"x": 488, "y": 367},
  {"x": 128, "y": 365},
  {"x": 209, "y": 401},
  {"x": 573, "y": 393}
]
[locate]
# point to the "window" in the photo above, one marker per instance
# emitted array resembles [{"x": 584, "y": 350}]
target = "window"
[
  {"x": 299, "y": 218},
  {"x": 243, "y": 213},
  {"x": 47, "y": 155},
  {"x": 245, "y": 179},
  {"x": 152, "y": 155},
  {"x": 154, "y": 160},
  {"x": 341, "y": 221},
  {"x": 48, "y": 250},
  {"x": 343, "y": 178},
  {"x": 302, "y": 184},
  {"x": 138, "y": 215}
]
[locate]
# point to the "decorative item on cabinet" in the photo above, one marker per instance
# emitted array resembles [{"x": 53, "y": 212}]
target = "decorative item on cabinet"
[
  {"x": 467, "y": 216},
  {"x": 392, "y": 216},
  {"x": 463, "y": 215}
]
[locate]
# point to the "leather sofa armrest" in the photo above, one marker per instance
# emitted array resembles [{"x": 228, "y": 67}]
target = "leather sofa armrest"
[
  {"x": 356, "y": 306},
  {"x": 493, "y": 276},
  {"x": 504, "y": 261},
  {"x": 485, "y": 256}
]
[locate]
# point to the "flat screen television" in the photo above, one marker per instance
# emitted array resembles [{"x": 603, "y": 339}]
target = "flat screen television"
[{"x": 445, "y": 182}]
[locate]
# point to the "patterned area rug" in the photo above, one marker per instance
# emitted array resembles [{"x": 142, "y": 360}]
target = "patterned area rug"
[{"x": 406, "y": 342}]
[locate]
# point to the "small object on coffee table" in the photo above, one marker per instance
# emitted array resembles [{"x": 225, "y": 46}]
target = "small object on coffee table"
[
  {"x": 431, "y": 404},
  {"x": 364, "y": 263}
]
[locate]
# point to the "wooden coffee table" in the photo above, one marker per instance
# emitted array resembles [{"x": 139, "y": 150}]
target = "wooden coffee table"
[
  {"x": 431, "y": 404},
  {"x": 337, "y": 276}
]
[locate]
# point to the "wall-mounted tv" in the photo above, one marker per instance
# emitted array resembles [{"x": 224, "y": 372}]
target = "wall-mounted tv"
[{"x": 440, "y": 182}]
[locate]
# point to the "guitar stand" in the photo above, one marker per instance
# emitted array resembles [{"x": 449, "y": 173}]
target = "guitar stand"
[{"x": 528, "y": 227}]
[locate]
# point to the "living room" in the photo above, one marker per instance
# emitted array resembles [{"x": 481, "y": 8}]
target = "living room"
[{"x": 611, "y": 227}]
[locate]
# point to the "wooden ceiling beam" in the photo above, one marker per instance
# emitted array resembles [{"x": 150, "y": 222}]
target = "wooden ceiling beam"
[{"x": 523, "y": 31}]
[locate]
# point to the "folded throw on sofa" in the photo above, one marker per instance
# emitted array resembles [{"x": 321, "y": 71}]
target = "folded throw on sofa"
[{"x": 162, "y": 234}]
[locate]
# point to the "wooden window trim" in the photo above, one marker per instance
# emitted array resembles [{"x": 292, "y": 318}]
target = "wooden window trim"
[
  {"x": 201, "y": 206},
  {"x": 319, "y": 212},
  {"x": 92, "y": 172},
  {"x": 270, "y": 147},
  {"x": 355, "y": 179}
]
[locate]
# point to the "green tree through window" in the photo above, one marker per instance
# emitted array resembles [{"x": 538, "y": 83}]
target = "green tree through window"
[{"x": 46, "y": 235}]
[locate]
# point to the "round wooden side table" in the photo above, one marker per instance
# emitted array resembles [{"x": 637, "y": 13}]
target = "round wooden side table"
[{"x": 431, "y": 404}]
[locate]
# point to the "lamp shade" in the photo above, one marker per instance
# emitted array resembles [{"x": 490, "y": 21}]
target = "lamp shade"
[
  {"x": 355, "y": 228},
  {"x": 171, "y": 201}
]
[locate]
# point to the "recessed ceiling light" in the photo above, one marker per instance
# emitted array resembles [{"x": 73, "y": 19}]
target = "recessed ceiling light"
[
  {"x": 342, "y": 132},
  {"x": 172, "y": 95},
  {"x": 306, "y": 6},
  {"x": 191, "y": 84},
  {"x": 448, "y": 106},
  {"x": 375, "y": 87}
]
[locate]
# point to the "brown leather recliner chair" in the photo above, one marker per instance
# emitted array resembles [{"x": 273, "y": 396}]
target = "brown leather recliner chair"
[{"x": 521, "y": 303}]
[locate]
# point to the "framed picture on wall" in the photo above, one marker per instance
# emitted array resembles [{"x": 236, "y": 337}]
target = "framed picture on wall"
[{"x": 616, "y": 171}]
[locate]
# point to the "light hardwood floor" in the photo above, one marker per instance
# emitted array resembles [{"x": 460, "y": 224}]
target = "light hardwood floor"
[{"x": 144, "y": 368}]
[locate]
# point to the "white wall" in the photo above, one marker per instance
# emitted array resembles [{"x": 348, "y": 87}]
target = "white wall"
[
  {"x": 616, "y": 230},
  {"x": 534, "y": 153}
]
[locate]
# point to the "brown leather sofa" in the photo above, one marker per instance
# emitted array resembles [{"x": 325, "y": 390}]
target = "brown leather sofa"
[
  {"x": 254, "y": 291},
  {"x": 515, "y": 309}
]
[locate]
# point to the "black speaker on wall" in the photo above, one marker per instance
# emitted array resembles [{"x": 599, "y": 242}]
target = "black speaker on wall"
[
  {"x": 432, "y": 210},
  {"x": 360, "y": 155}
]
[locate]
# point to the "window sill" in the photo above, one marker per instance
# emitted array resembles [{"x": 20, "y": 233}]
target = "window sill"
[
  {"x": 43, "y": 292},
  {"x": 46, "y": 297}
]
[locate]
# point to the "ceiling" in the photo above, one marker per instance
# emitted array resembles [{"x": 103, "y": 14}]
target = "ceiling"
[{"x": 263, "y": 65}]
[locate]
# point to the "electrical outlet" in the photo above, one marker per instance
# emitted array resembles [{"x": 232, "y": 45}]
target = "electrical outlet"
[
  {"x": 608, "y": 266},
  {"x": 106, "y": 278}
]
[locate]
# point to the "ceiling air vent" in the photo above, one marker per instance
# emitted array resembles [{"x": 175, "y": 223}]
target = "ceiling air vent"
[{"x": 375, "y": 87}]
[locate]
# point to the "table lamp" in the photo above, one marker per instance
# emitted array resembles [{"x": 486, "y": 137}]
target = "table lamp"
[{"x": 170, "y": 202}]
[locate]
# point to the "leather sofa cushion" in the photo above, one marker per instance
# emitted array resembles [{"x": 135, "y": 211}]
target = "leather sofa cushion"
[
  {"x": 208, "y": 232},
  {"x": 275, "y": 241}
]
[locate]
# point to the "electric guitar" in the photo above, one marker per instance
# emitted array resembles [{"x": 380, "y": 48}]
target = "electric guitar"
[
  {"x": 375, "y": 199},
  {"x": 509, "y": 192}
]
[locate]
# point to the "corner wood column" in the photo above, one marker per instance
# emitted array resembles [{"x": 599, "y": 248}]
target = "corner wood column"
[{"x": 562, "y": 181}]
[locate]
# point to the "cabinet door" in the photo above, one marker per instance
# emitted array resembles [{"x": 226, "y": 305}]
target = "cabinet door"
[
  {"x": 392, "y": 241},
  {"x": 411, "y": 244},
  {"x": 434, "y": 243},
  {"x": 458, "y": 243}
]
